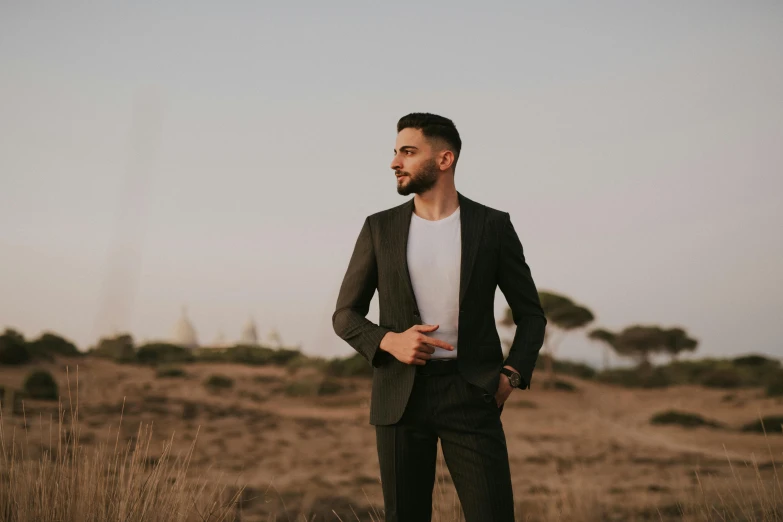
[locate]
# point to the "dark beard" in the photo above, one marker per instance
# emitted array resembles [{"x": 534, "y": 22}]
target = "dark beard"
[{"x": 421, "y": 182}]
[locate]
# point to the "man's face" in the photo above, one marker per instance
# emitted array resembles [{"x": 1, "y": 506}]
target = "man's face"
[{"x": 415, "y": 163}]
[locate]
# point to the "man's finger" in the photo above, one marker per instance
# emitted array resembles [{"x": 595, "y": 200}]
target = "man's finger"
[
  {"x": 425, "y": 327},
  {"x": 437, "y": 342},
  {"x": 423, "y": 357}
]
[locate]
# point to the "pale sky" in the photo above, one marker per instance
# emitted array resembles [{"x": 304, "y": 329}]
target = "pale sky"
[{"x": 638, "y": 147}]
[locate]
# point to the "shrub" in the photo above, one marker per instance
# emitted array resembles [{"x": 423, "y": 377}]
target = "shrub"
[
  {"x": 755, "y": 361},
  {"x": 219, "y": 381},
  {"x": 775, "y": 388},
  {"x": 157, "y": 353},
  {"x": 684, "y": 419},
  {"x": 248, "y": 354},
  {"x": 170, "y": 371},
  {"x": 119, "y": 349},
  {"x": 41, "y": 385},
  {"x": 304, "y": 361},
  {"x": 768, "y": 424},
  {"x": 722, "y": 378},
  {"x": 51, "y": 344},
  {"x": 636, "y": 378},
  {"x": 353, "y": 366},
  {"x": 13, "y": 348}
]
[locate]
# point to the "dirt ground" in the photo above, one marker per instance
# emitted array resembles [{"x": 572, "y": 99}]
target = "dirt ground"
[{"x": 317, "y": 454}]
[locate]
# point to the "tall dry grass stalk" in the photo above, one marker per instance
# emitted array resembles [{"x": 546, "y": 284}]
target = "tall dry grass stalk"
[
  {"x": 124, "y": 482},
  {"x": 108, "y": 481},
  {"x": 735, "y": 499}
]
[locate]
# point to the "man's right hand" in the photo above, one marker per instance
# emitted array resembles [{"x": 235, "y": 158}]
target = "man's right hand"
[{"x": 412, "y": 346}]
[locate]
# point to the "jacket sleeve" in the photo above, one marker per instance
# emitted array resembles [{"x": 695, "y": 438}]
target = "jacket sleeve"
[
  {"x": 516, "y": 283},
  {"x": 353, "y": 302}
]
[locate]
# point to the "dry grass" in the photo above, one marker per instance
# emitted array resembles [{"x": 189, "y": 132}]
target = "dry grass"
[
  {"x": 73, "y": 483},
  {"x": 575, "y": 457}
]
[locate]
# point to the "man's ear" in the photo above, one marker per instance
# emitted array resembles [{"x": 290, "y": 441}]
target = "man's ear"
[{"x": 445, "y": 159}]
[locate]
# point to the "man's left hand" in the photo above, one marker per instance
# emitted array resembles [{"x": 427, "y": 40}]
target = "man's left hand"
[{"x": 504, "y": 388}]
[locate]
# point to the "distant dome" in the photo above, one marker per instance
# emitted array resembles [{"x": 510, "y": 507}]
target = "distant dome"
[
  {"x": 249, "y": 333},
  {"x": 184, "y": 333}
]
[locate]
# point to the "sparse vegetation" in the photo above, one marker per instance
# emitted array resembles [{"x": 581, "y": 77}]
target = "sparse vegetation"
[
  {"x": 769, "y": 424},
  {"x": 13, "y": 348},
  {"x": 219, "y": 381},
  {"x": 160, "y": 353},
  {"x": 559, "y": 385},
  {"x": 684, "y": 419},
  {"x": 170, "y": 372},
  {"x": 311, "y": 387},
  {"x": 41, "y": 385},
  {"x": 353, "y": 366},
  {"x": 50, "y": 344},
  {"x": 119, "y": 349},
  {"x": 75, "y": 481},
  {"x": 775, "y": 387}
]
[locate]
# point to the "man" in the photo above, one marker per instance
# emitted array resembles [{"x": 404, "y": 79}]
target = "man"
[{"x": 438, "y": 368}]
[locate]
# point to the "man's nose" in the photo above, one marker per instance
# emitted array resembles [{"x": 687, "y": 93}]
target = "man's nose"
[{"x": 395, "y": 164}]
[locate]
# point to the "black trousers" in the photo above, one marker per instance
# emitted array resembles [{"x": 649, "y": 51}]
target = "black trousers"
[{"x": 444, "y": 405}]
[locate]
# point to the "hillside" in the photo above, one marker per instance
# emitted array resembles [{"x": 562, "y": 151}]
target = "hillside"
[{"x": 594, "y": 446}]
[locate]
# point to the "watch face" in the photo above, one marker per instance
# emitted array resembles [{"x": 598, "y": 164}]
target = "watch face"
[{"x": 515, "y": 380}]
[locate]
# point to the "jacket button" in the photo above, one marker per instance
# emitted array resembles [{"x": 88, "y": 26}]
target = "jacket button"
[{"x": 416, "y": 314}]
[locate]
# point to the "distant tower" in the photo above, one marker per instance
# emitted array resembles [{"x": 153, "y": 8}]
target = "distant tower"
[
  {"x": 184, "y": 333},
  {"x": 249, "y": 333}
]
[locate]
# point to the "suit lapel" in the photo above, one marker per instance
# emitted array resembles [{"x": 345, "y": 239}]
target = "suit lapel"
[
  {"x": 471, "y": 228},
  {"x": 399, "y": 247}
]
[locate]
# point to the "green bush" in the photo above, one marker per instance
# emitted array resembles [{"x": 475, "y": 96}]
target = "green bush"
[
  {"x": 722, "y": 378},
  {"x": 51, "y": 344},
  {"x": 353, "y": 366},
  {"x": 755, "y": 361},
  {"x": 41, "y": 385},
  {"x": 679, "y": 418},
  {"x": 775, "y": 388},
  {"x": 170, "y": 371},
  {"x": 745, "y": 371},
  {"x": 13, "y": 348},
  {"x": 768, "y": 424},
  {"x": 247, "y": 354},
  {"x": 158, "y": 353},
  {"x": 219, "y": 381},
  {"x": 120, "y": 349},
  {"x": 305, "y": 361},
  {"x": 656, "y": 377}
]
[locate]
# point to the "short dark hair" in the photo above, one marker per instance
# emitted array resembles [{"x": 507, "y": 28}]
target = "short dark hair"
[{"x": 433, "y": 126}]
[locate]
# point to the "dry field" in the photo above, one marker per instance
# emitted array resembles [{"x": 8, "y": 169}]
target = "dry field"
[{"x": 591, "y": 454}]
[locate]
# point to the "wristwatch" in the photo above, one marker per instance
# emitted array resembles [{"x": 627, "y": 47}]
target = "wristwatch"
[{"x": 514, "y": 378}]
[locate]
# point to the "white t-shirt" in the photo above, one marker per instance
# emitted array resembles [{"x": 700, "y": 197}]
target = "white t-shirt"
[{"x": 434, "y": 257}]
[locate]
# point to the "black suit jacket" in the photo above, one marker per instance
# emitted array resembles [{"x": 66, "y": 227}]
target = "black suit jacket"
[{"x": 491, "y": 257}]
